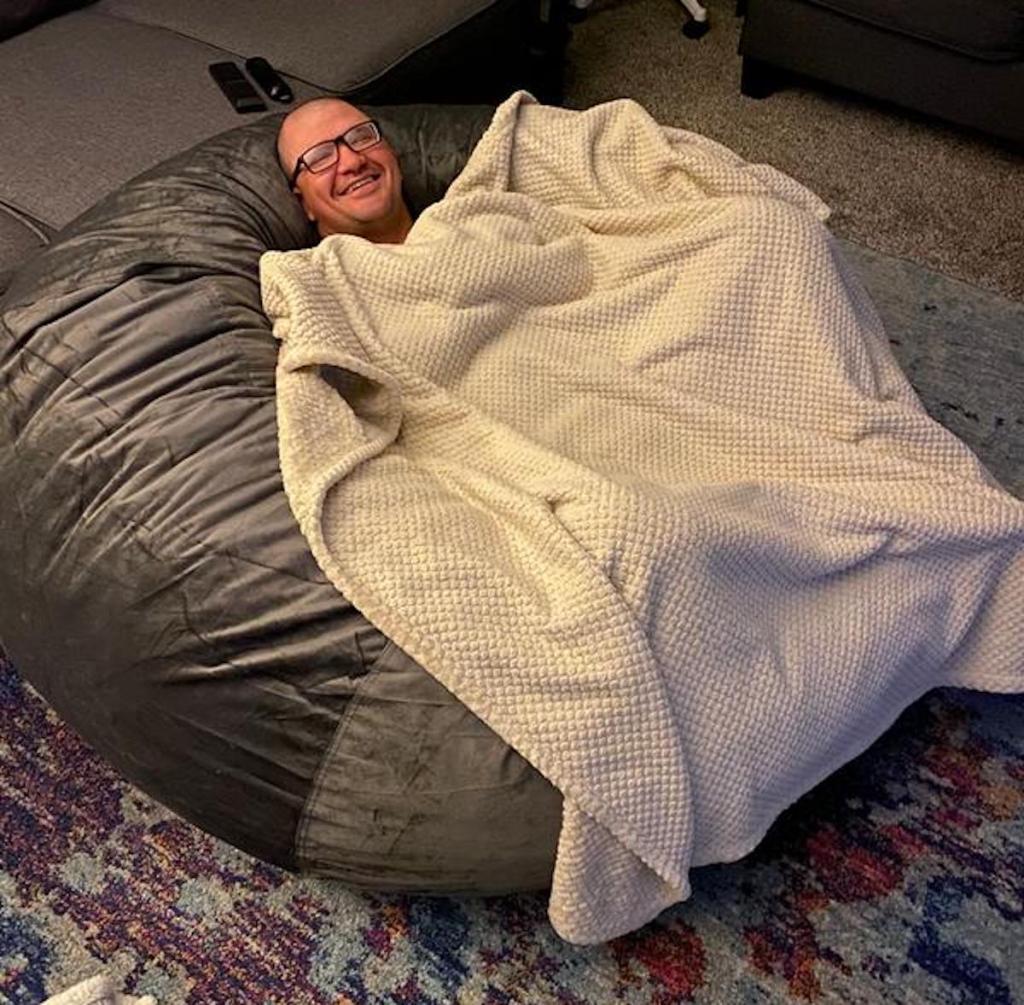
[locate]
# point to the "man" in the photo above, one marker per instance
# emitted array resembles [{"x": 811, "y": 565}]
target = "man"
[{"x": 344, "y": 172}]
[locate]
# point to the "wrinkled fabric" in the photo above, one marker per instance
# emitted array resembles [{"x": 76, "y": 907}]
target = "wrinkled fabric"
[
  {"x": 417, "y": 794},
  {"x": 614, "y": 446}
]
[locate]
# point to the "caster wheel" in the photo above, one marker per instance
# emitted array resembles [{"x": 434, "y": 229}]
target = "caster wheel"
[
  {"x": 577, "y": 11},
  {"x": 695, "y": 29}
]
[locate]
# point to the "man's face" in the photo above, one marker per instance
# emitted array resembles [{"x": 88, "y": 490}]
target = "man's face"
[{"x": 362, "y": 193}]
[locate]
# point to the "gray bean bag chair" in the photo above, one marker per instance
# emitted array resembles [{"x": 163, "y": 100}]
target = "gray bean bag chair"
[{"x": 157, "y": 591}]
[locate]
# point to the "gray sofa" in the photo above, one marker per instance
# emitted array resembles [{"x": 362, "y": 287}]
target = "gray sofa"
[
  {"x": 95, "y": 93},
  {"x": 960, "y": 62}
]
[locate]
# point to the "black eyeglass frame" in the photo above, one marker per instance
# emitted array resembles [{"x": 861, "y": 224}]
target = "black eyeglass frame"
[{"x": 337, "y": 140}]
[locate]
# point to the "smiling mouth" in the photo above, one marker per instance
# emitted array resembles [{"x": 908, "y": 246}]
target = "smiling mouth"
[{"x": 360, "y": 183}]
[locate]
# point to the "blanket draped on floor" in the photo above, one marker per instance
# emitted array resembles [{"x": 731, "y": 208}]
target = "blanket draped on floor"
[{"x": 615, "y": 447}]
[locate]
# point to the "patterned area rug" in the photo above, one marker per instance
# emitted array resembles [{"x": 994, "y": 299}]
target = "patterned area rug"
[{"x": 899, "y": 879}]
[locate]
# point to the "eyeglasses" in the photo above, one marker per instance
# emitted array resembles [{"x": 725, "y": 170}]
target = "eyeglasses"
[{"x": 324, "y": 155}]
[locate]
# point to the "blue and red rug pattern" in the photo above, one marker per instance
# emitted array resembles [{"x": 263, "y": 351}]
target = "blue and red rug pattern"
[{"x": 899, "y": 879}]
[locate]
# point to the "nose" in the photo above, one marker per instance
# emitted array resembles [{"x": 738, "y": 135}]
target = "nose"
[{"x": 349, "y": 160}]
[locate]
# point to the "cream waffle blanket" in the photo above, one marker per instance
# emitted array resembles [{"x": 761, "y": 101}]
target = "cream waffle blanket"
[{"x": 614, "y": 446}]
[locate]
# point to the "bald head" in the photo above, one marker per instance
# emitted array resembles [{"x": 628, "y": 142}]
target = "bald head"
[
  {"x": 311, "y": 117},
  {"x": 361, "y": 192}
]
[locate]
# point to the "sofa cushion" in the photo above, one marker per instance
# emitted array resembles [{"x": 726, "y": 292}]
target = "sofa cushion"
[
  {"x": 985, "y": 29},
  {"x": 106, "y": 119},
  {"x": 20, "y": 15},
  {"x": 336, "y": 44}
]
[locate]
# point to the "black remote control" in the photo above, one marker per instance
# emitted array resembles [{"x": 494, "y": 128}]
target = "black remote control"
[
  {"x": 267, "y": 77},
  {"x": 236, "y": 88}
]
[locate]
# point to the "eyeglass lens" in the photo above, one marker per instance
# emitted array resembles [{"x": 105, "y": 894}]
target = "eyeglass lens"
[{"x": 323, "y": 155}]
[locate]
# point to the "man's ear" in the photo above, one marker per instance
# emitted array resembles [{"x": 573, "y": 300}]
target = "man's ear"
[{"x": 305, "y": 209}]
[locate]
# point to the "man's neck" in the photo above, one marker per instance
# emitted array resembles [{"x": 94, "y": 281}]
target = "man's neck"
[
  {"x": 392, "y": 231},
  {"x": 396, "y": 233}
]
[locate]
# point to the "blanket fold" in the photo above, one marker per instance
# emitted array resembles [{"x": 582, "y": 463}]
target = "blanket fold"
[{"x": 615, "y": 447}]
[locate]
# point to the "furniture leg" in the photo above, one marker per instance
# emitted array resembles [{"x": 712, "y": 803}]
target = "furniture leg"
[
  {"x": 758, "y": 79},
  {"x": 696, "y": 25},
  {"x": 547, "y": 52}
]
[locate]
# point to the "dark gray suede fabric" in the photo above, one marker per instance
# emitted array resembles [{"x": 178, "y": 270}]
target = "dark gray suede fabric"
[
  {"x": 157, "y": 591},
  {"x": 20, "y": 238},
  {"x": 417, "y": 794},
  {"x": 992, "y": 30}
]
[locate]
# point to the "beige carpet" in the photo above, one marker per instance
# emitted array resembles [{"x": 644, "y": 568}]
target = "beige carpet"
[{"x": 897, "y": 182}]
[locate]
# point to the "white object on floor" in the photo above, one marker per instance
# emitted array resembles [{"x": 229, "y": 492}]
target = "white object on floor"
[
  {"x": 98, "y": 990},
  {"x": 697, "y": 11},
  {"x": 615, "y": 447}
]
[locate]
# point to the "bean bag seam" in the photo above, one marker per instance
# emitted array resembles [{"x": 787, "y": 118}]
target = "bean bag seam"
[{"x": 299, "y": 854}]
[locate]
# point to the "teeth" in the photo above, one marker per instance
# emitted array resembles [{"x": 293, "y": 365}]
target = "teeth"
[{"x": 360, "y": 183}]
